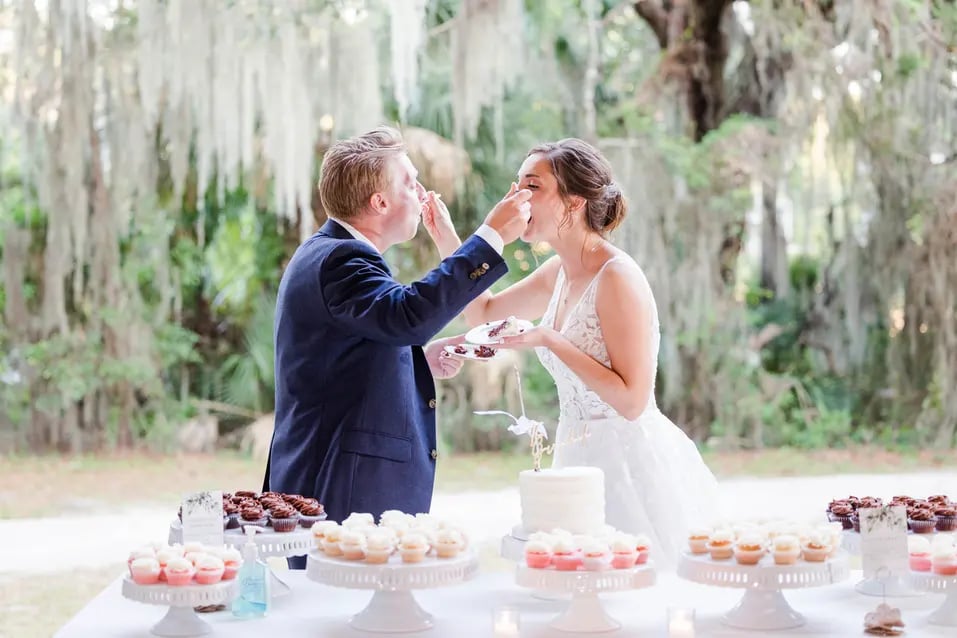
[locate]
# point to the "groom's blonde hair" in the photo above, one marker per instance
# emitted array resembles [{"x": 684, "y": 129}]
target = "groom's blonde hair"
[{"x": 354, "y": 169}]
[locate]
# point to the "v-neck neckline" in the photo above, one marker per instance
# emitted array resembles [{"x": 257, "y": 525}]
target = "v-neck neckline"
[{"x": 564, "y": 289}]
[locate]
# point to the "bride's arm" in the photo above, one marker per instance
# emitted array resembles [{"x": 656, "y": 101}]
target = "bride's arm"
[
  {"x": 624, "y": 304},
  {"x": 526, "y": 299}
]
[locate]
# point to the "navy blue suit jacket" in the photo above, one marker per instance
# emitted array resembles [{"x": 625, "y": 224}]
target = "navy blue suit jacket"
[{"x": 355, "y": 399}]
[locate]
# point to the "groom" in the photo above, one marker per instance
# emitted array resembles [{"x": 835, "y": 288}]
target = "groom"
[{"x": 355, "y": 397}]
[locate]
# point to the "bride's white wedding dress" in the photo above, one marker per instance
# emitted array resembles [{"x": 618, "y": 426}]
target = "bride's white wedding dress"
[{"x": 656, "y": 482}]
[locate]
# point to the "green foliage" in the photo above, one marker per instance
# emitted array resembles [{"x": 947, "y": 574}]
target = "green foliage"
[{"x": 248, "y": 376}]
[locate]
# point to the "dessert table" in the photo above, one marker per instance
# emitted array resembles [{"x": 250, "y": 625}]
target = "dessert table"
[{"x": 469, "y": 610}]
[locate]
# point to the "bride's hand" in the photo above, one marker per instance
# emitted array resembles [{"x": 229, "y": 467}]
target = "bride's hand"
[
  {"x": 539, "y": 336},
  {"x": 438, "y": 223}
]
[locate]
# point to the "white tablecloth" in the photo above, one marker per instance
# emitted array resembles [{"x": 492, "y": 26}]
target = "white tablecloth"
[{"x": 467, "y": 611}]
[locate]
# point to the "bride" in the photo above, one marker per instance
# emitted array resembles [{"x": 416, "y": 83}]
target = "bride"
[{"x": 598, "y": 338}]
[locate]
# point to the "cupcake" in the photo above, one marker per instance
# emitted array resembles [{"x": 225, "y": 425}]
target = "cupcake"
[
  {"x": 179, "y": 571},
  {"x": 698, "y": 540},
  {"x": 946, "y": 518},
  {"x": 165, "y": 555},
  {"x": 391, "y": 515},
  {"x": 842, "y": 512},
  {"x": 142, "y": 552},
  {"x": 413, "y": 547},
  {"x": 922, "y": 520},
  {"x": 330, "y": 540},
  {"x": 232, "y": 515},
  {"x": 310, "y": 512},
  {"x": 749, "y": 549},
  {"x": 319, "y": 532},
  {"x": 379, "y": 546},
  {"x": 721, "y": 544},
  {"x": 943, "y": 561},
  {"x": 251, "y": 513},
  {"x": 643, "y": 546},
  {"x": 786, "y": 549},
  {"x": 145, "y": 570},
  {"x": 209, "y": 570},
  {"x": 624, "y": 551},
  {"x": 816, "y": 548},
  {"x": 448, "y": 543},
  {"x": 565, "y": 554},
  {"x": 284, "y": 517},
  {"x": 358, "y": 520},
  {"x": 232, "y": 561},
  {"x": 353, "y": 544},
  {"x": 538, "y": 554},
  {"x": 918, "y": 551},
  {"x": 595, "y": 555}
]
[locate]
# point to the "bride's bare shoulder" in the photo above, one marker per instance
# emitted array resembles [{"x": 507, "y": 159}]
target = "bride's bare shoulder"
[{"x": 623, "y": 278}]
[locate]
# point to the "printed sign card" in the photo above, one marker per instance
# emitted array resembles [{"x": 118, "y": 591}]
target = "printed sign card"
[
  {"x": 883, "y": 540},
  {"x": 203, "y": 518}
]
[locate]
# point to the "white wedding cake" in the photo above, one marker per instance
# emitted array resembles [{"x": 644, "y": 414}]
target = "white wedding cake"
[{"x": 569, "y": 498}]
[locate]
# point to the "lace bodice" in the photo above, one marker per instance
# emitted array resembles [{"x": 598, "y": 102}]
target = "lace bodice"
[{"x": 582, "y": 327}]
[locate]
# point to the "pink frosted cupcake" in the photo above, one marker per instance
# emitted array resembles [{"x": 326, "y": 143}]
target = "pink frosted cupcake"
[
  {"x": 145, "y": 571},
  {"x": 538, "y": 554},
  {"x": 179, "y": 572},
  {"x": 624, "y": 551},
  {"x": 209, "y": 570},
  {"x": 918, "y": 550}
]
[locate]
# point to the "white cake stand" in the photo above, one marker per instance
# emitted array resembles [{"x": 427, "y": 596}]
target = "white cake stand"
[
  {"x": 887, "y": 583},
  {"x": 181, "y": 620},
  {"x": 946, "y": 614},
  {"x": 585, "y": 613},
  {"x": 763, "y": 606},
  {"x": 393, "y": 608},
  {"x": 269, "y": 543}
]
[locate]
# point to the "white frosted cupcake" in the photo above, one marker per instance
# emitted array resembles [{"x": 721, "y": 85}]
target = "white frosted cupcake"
[
  {"x": 330, "y": 541},
  {"x": 319, "y": 532},
  {"x": 698, "y": 540},
  {"x": 413, "y": 547},
  {"x": 145, "y": 570},
  {"x": 179, "y": 571},
  {"x": 448, "y": 543},
  {"x": 538, "y": 554},
  {"x": 624, "y": 551},
  {"x": 391, "y": 515},
  {"x": 358, "y": 520},
  {"x": 595, "y": 555},
  {"x": 141, "y": 552},
  {"x": 379, "y": 546},
  {"x": 786, "y": 549},
  {"x": 232, "y": 561},
  {"x": 750, "y": 549},
  {"x": 209, "y": 569},
  {"x": 816, "y": 548},
  {"x": 352, "y": 543},
  {"x": 721, "y": 544}
]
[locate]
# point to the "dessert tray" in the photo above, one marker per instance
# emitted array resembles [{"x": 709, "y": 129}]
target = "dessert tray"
[
  {"x": 269, "y": 543},
  {"x": 181, "y": 620},
  {"x": 763, "y": 605},
  {"x": 393, "y": 608},
  {"x": 585, "y": 613},
  {"x": 946, "y": 614}
]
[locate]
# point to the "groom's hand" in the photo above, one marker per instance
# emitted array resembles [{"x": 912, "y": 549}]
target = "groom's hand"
[
  {"x": 510, "y": 216},
  {"x": 441, "y": 363}
]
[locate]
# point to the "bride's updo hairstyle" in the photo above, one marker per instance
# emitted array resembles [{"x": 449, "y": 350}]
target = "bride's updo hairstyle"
[{"x": 580, "y": 169}]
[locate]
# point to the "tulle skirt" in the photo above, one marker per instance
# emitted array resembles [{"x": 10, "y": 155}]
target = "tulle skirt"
[{"x": 656, "y": 482}]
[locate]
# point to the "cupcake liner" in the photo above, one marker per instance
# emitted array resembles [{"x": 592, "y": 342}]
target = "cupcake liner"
[
  {"x": 946, "y": 523},
  {"x": 284, "y": 524},
  {"x": 923, "y": 527},
  {"x": 233, "y": 522},
  {"x": 845, "y": 521},
  {"x": 261, "y": 522},
  {"x": 308, "y": 521}
]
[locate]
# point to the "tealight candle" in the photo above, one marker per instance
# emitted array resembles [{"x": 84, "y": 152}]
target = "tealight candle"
[
  {"x": 505, "y": 623},
  {"x": 680, "y": 623}
]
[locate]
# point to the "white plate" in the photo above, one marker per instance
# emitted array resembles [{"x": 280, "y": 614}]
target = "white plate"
[
  {"x": 479, "y": 334},
  {"x": 470, "y": 354}
]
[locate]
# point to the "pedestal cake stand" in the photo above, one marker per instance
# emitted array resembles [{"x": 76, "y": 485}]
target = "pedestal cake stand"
[
  {"x": 763, "y": 605},
  {"x": 585, "y": 613},
  {"x": 181, "y": 620},
  {"x": 946, "y": 614},
  {"x": 393, "y": 608}
]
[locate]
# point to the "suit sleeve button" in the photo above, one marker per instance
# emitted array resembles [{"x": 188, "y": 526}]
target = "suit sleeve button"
[
  {"x": 432, "y": 403},
  {"x": 435, "y": 454}
]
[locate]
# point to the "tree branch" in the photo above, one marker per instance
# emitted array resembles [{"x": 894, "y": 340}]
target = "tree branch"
[{"x": 656, "y": 18}]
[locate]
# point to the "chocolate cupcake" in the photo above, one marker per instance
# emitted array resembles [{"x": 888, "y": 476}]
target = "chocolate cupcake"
[
  {"x": 946, "y": 518},
  {"x": 232, "y": 514},
  {"x": 251, "y": 513},
  {"x": 841, "y": 512},
  {"x": 311, "y": 511},
  {"x": 284, "y": 517},
  {"x": 922, "y": 520}
]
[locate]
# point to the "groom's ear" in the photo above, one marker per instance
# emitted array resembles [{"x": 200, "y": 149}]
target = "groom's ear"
[{"x": 378, "y": 204}]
